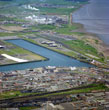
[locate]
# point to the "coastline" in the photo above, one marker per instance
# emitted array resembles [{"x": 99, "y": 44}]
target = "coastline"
[
  {"x": 82, "y": 29},
  {"x": 94, "y": 17},
  {"x": 102, "y": 47}
]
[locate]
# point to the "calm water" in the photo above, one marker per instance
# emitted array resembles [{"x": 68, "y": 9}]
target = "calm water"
[
  {"x": 55, "y": 59},
  {"x": 95, "y": 18}
]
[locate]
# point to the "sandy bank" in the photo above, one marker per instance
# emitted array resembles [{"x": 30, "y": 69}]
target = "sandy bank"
[{"x": 14, "y": 58}]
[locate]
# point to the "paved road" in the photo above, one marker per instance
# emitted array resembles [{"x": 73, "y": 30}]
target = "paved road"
[{"x": 12, "y": 109}]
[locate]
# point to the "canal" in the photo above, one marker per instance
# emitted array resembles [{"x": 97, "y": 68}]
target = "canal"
[{"x": 54, "y": 58}]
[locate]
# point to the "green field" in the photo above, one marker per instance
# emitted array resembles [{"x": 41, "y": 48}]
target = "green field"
[
  {"x": 60, "y": 11},
  {"x": 17, "y": 51},
  {"x": 63, "y": 29},
  {"x": 27, "y": 108},
  {"x": 92, "y": 87},
  {"x": 55, "y": 2},
  {"x": 66, "y": 29},
  {"x": 81, "y": 46}
]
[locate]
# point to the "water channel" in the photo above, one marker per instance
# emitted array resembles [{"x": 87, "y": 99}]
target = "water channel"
[{"x": 55, "y": 59}]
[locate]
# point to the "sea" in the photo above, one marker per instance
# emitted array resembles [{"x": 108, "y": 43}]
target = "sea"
[{"x": 95, "y": 18}]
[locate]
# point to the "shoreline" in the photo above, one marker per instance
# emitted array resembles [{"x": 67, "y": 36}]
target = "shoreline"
[
  {"x": 85, "y": 23},
  {"x": 94, "y": 36},
  {"x": 91, "y": 34}
]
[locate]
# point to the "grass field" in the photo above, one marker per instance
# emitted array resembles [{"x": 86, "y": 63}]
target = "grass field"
[
  {"x": 92, "y": 87},
  {"x": 21, "y": 53},
  {"x": 60, "y": 11},
  {"x": 27, "y": 108},
  {"x": 45, "y": 27},
  {"x": 81, "y": 46},
  {"x": 66, "y": 29}
]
